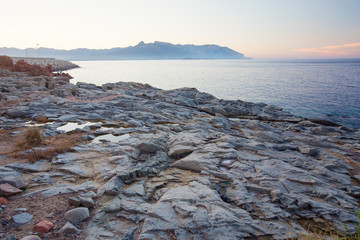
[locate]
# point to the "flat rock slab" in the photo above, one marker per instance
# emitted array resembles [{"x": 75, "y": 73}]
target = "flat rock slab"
[
  {"x": 8, "y": 190},
  {"x": 39, "y": 166},
  {"x": 22, "y": 218},
  {"x": 14, "y": 181},
  {"x": 77, "y": 215}
]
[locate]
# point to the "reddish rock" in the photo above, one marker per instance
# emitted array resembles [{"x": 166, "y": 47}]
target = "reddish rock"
[
  {"x": 31, "y": 70},
  {"x": 3, "y": 201},
  {"x": 65, "y": 75},
  {"x": 44, "y": 226},
  {"x": 8, "y": 190},
  {"x": 6, "y": 62}
]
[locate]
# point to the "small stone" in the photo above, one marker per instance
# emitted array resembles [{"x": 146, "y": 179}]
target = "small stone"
[
  {"x": 313, "y": 152},
  {"x": 44, "y": 226},
  {"x": 31, "y": 237},
  {"x": 50, "y": 215},
  {"x": 74, "y": 201},
  {"x": 8, "y": 190},
  {"x": 111, "y": 187},
  {"x": 10, "y": 237},
  {"x": 3, "y": 201},
  {"x": 20, "y": 210},
  {"x": 274, "y": 194},
  {"x": 22, "y": 218},
  {"x": 69, "y": 228},
  {"x": 87, "y": 202},
  {"x": 77, "y": 215}
]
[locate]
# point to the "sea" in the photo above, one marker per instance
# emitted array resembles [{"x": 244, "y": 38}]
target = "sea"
[{"x": 321, "y": 89}]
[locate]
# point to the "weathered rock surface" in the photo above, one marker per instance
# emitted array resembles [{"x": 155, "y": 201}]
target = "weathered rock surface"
[
  {"x": 77, "y": 215},
  {"x": 7, "y": 190},
  {"x": 183, "y": 163},
  {"x": 14, "y": 181},
  {"x": 36, "y": 66}
]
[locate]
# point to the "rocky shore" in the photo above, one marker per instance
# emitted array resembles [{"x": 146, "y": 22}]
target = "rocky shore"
[
  {"x": 145, "y": 163},
  {"x": 57, "y": 65}
]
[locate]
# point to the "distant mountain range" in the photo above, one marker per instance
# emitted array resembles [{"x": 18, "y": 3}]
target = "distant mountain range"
[{"x": 142, "y": 51}]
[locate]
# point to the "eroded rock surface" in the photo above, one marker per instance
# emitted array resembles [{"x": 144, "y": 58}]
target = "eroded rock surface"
[{"x": 185, "y": 164}]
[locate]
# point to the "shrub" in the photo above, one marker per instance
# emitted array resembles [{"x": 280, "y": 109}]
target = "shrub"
[
  {"x": 31, "y": 137},
  {"x": 61, "y": 145}
]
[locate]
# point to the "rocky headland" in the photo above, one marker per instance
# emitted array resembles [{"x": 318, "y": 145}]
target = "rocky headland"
[
  {"x": 56, "y": 64},
  {"x": 144, "y": 163}
]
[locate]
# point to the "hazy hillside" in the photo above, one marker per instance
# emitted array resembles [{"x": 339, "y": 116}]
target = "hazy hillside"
[{"x": 156, "y": 50}]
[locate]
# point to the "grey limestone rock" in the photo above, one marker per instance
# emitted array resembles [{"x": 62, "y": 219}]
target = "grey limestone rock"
[
  {"x": 19, "y": 112},
  {"x": 38, "y": 166},
  {"x": 195, "y": 166},
  {"x": 112, "y": 187},
  {"x": 22, "y": 218},
  {"x": 77, "y": 215},
  {"x": 68, "y": 228},
  {"x": 14, "y": 181}
]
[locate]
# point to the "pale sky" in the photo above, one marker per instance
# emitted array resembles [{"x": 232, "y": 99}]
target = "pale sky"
[{"x": 258, "y": 28}]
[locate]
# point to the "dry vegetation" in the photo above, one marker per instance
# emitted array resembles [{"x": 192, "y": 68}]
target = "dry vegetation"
[
  {"x": 31, "y": 137},
  {"x": 324, "y": 230},
  {"x": 31, "y": 145}
]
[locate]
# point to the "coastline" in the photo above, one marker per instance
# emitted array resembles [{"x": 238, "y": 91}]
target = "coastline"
[
  {"x": 183, "y": 163},
  {"x": 57, "y": 65},
  {"x": 283, "y": 85}
]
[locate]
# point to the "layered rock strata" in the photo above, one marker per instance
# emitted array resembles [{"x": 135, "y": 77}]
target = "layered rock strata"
[{"x": 186, "y": 165}]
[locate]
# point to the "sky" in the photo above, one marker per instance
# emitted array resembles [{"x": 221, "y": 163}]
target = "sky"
[{"x": 262, "y": 29}]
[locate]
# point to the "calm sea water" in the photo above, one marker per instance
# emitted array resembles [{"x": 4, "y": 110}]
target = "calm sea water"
[{"x": 325, "y": 89}]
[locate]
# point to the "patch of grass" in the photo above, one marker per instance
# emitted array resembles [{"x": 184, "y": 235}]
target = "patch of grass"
[
  {"x": 357, "y": 235},
  {"x": 29, "y": 138},
  {"x": 324, "y": 230},
  {"x": 31, "y": 145},
  {"x": 54, "y": 147}
]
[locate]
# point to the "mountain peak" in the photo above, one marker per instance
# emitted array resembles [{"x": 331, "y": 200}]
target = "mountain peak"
[{"x": 141, "y": 51}]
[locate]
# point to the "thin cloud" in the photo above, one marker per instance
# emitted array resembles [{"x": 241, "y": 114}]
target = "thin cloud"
[{"x": 333, "y": 50}]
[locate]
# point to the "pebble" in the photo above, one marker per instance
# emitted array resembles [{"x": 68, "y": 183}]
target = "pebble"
[
  {"x": 20, "y": 210},
  {"x": 31, "y": 237},
  {"x": 44, "y": 226},
  {"x": 3, "y": 201},
  {"x": 10, "y": 237},
  {"x": 69, "y": 228},
  {"x": 22, "y": 218},
  {"x": 77, "y": 215}
]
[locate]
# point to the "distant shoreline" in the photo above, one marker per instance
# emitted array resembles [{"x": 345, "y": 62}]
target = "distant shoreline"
[{"x": 57, "y": 65}]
